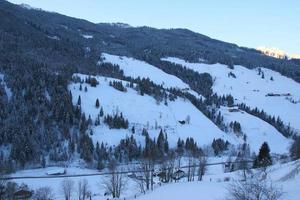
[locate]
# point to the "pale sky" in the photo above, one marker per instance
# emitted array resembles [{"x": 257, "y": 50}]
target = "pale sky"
[{"x": 252, "y": 23}]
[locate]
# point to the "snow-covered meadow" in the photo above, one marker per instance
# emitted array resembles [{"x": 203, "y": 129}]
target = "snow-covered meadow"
[{"x": 252, "y": 88}]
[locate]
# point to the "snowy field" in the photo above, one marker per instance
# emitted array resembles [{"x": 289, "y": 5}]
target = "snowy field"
[
  {"x": 250, "y": 88},
  {"x": 189, "y": 190},
  {"x": 213, "y": 187}
]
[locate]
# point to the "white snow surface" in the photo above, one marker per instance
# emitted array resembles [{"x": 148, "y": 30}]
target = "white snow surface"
[
  {"x": 53, "y": 37},
  {"x": 137, "y": 68},
  {"x": 86, "y": 36},
  {"x": 258, "y": 131},
  {"x": 188, "y": 190},
  {"x": 277, "y": 53},
  {"x": 250, "y": 88},
  {"x": 273, "y": 52},
  {"x": 144, "y": 112},
  {"x": 56, "y": 171}
]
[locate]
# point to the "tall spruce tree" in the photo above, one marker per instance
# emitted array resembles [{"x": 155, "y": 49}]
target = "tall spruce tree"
[
  {"x": 97, "y": 103},
  {"x": 79, "y": 101},
  {"x": 264, "y": 158}
]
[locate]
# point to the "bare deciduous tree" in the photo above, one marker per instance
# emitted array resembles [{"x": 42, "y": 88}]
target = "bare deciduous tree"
[
  {"x": 202, "y": 167},
  {"x": 144, "y": 176},
  {"x": 115, "y": 183},
  {"x": 168, "y": 166},
  {"x": 191, "y": 168},
  {"x": 254, "y": 189},
  {"x": 83, "y": 189},
  {"x": 140, "y": 182},
  {"x": 43, "y": 193},
  {"x": 67, "y": 187}
]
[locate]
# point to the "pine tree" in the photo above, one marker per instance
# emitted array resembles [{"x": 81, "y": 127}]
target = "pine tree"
[
  {"x": 161, "y": 142},
  {"x": 166, "y": 144},
  {"x": 79, "y": 101},
  {"x": 101, "y": 112},
  {"x": 86, "y": 148},
  {"x": 144, "y": 132},
  {"x": 71, "y": 146},
  {"x": 97, "y": 103},
  {"x": 264, "y": 158}
]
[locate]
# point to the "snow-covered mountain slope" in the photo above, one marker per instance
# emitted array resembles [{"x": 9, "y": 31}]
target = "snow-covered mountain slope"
[
  {"x": 256, "y": 88},
  {"x": 144, "y": 112},
  {"x": 137, "y": 68},
  {"x": 267, "y": 90},
  {"x": 257, "y": 131}
]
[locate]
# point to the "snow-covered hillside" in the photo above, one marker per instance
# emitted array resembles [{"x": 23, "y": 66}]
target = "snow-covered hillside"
[
  {"x": 257, "y": 131},
  {"x": 265, "y": 89},
  {"x": 137, "y": 68},
  {"x": 262, "y": 88},
  {"x": 144, "y": 112}
]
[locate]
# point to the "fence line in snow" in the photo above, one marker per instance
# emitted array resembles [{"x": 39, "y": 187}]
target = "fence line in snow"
[{"x": 109, "y": 173}]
